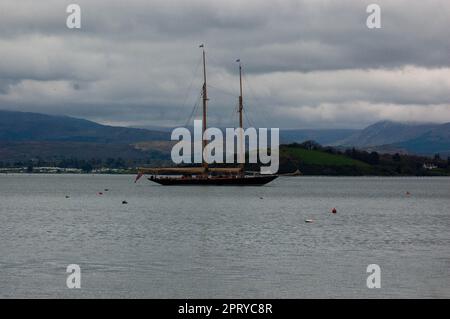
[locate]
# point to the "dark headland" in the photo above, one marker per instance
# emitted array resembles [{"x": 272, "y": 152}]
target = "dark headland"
[{"x": 32, "y": 142}]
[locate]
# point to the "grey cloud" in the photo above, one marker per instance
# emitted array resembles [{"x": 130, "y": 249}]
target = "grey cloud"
[{"x": 307, "y": 63}]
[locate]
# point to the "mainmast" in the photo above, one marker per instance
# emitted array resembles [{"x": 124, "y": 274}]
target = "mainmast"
[
  {"x": 241, "y": 125},
  {"x": 205, "y": 99}
]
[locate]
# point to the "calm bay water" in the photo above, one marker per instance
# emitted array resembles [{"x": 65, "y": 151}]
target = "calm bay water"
[{"x": 204, "y": 242}]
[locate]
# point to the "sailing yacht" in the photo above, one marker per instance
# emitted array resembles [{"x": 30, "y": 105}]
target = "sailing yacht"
[{"x": 205, "y": 175}]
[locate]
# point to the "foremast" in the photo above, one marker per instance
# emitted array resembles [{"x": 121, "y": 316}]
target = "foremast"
[
  {"x": 241, "y": 123},
  {"x": 205, "y": 102}
]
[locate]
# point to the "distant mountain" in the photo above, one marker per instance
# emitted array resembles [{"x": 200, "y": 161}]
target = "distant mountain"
[
  {"x": 321, "y": 136},
  {"x": 31, "y": 135},
  {"x": 386, "y": 132},
  {"x": 434, "y": 141},
  {"x": 24, "y": 126},
  {"x": 391, "y": 137}
]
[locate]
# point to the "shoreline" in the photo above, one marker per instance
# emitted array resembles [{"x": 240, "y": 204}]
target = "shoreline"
[{"x": 281, "y": 176}]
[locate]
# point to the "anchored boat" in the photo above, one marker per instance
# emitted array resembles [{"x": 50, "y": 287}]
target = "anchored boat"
[{"x": 204, "y": 175}]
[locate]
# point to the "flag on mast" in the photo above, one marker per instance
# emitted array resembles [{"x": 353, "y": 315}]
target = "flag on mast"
[{"x": 139, "y": 175}]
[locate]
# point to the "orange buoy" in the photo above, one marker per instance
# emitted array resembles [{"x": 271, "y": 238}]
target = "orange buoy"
[{"x": 334, "y": 210}]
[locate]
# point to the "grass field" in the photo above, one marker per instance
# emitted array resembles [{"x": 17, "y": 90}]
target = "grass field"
[{"x": 314, "y": 157}]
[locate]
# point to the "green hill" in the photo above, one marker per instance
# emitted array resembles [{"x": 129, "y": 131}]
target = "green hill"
[
  {"x": 313, "y": 159},
  {"x": 316, "y": 157}
]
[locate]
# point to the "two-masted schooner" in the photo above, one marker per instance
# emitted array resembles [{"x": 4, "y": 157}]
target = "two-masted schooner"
[{"x": 205, "y": 175}]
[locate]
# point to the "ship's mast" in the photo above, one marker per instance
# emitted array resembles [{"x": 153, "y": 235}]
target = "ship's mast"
[
  {"x": 241, "y": 125},
  {"x": 205, "y": 100}
]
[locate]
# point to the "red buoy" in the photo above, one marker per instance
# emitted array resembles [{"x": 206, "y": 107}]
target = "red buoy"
[{"x": 334, "y": 210}]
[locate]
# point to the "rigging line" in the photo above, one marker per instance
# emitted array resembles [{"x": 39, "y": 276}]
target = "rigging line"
[
  {"x": 235, "y": 110},
  {"x": 248, "y": 107},
  {"x": 231, "y": 118},
  {"x": 227, "y": 119},
  {"x": 192, "y": 82},
  {"x": 247, "y": 83},
  {"x": 250, "y": 122},
  {"x": 261, "y": 111},
  {"x": 234, "y": 115},
  {"x": 255, "y": 119},
  {"x": 194, "y": 110},
  {"x": 252, "y": 94}
]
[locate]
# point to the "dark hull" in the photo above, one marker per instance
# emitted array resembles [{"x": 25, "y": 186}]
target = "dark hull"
[{"x": 218, "y": 181}]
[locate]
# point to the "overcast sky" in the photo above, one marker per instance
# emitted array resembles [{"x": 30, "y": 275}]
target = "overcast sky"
[{"x": 307, "y": 63}]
